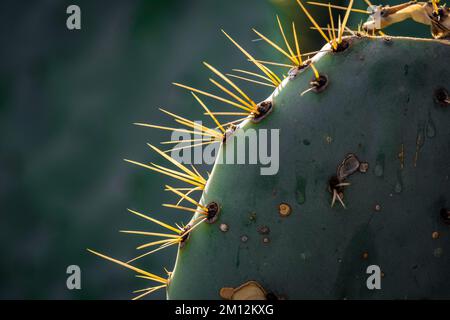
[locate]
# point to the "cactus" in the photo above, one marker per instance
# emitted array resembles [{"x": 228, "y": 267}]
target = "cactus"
[{"x": 363, "y": 179}]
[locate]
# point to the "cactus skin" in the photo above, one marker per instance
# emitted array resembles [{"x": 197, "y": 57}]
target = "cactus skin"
[{"x": 380, "y": 96}]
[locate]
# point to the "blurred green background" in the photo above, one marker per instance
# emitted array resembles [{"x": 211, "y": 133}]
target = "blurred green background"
[{"x": 67, "y": 103}]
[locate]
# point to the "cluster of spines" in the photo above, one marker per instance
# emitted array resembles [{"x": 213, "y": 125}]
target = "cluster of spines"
[{"x": 248, "y": 108}]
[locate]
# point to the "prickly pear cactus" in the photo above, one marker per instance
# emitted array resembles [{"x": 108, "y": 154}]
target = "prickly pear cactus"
[
  {"x": 361, "y": 190},
  {"x": 378, "y": 126}
]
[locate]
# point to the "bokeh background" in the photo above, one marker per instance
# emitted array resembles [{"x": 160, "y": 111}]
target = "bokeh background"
[{"x": 67, "y": 103}]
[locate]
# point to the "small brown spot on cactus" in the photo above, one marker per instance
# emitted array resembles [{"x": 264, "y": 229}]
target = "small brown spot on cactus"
[
  {"x": 382, "y": 274},
  {"x": 224, "y": 227},
  {"x": 284, "y": 209},
  {"x": 441, "y": 96},
  {"x": 363, "y": 167},
  {"x": 264, "y": 230},
  {"x": 250, "y": 290},
  {"x": 365, "y": 255},
  {"x": 264, "y": 109},
  {"x": 445, "y": 215},
  {"x": 213, "y": 212},
  {"x": 244, "y": 238},
  {"x": 435, "y": 235}
]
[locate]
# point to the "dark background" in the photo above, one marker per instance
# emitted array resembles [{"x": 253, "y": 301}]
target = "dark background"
[{"x": 67, "y": 103}]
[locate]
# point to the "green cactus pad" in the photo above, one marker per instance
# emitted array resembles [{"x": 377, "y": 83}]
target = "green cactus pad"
[{"x": 385, "y": 105}]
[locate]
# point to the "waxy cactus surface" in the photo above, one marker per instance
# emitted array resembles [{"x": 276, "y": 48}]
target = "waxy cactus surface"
[
  {"x": 381, "y": 106},
  {"x": 357, "y": 203}
]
